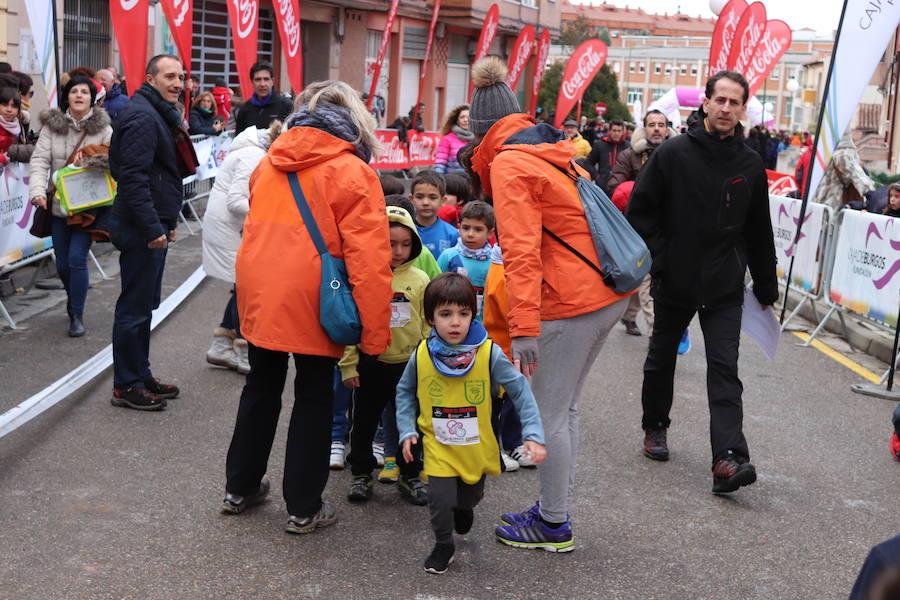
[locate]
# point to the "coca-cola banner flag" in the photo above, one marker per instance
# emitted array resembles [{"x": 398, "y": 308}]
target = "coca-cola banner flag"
[
  {"x": 423, "y": 72},
  {"x": 723, "y": 35},
  {"x": 520, "y": 55},
  {"x": 130, "y": 22},
  {"x": 385, "y": 38},
  {"x": 583, "y": 65},
  {"x": 287, "y": 13},
  {"x": 774, "y": 43},
  {"x": 543, "y": 50},
  {"x": 423, "y": 148},
  {"x": 488, "y": 31},
  {"x": 749, "y": 31},
  {"x": 180, "y": 16},
  {"x": 392, "y": 154},
  {"x": 244, "y": 17}
]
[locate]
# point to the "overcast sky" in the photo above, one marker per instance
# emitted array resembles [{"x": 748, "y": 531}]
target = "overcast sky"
[{"x": 821, "y": 15}]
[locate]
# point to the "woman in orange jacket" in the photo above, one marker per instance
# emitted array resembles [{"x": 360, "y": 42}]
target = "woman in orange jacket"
[
  {"x": 327, "y": 143},
  {"x": 559, "y": 308}
]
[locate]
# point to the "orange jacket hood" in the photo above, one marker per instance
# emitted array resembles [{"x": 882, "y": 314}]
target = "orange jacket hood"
[
  {"x": 519, "y": 132},
  {"x": 301, "y": 148}
]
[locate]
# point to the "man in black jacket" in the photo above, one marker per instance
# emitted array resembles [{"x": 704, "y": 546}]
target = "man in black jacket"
[
  {"x": 145, "y": 162},
  {"x": 701, "y": 203},
  {"x": 606, "y": 151},
  {"x": 265, "y": 105}
]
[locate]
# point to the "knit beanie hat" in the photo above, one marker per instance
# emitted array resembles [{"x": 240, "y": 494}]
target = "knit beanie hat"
[{"x": 492, "y": 99}]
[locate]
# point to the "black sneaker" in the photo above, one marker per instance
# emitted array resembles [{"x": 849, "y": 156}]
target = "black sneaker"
[
  {"x": 360, "y": 488},
  {"x": 325, "y": 517},
  {"x": 462, "y": 520},
  {"x": 162, "y": 390},
  {"x": 235, "y": 505},
  {"x": 440, "y": 558},
  {"x": 730, "y": 473},
  {"x": 655, "y": 446},
  {"x": 138, "y": 399},
  {"x": 413, "y": 490}
]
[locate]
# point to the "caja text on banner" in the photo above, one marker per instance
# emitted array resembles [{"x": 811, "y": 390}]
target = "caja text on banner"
[
  {"x": 130, "y": 23},
  {"x": 486, "y": 38},
  {"x": 425, "y": 63},
  {"x": 385, "y": 38},
  {"x": 580, "y": 70},
  {"x": 723, "y": 35},
  {"x": 520, "y": 55},
  {"x": 244, "y": 18},
  {"x": 540, "y": 62},
  {"x": 287, "y": 13}
]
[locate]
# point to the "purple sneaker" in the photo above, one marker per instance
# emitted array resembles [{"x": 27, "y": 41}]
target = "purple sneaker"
[
  {"x": 533, "y": 533},
  {"x": 517, "y": 519}
]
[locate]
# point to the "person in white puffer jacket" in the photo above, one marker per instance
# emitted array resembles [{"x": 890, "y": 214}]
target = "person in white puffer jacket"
[{"x": 222, "y": 224}]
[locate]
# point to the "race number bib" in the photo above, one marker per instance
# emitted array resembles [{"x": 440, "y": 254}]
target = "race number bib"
[
  {"x": 455, "y": 426},
  {"x": 401, "y": 314}
]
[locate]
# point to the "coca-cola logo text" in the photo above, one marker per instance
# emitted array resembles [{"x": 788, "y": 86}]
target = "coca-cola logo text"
[
  {"x": 520, "y": 57},
  {"x": 490, "y": 30},
  {"x": 728, "y": 31},
  {"x": 246, "y": 12},
  {"x": 128, "y": 4},
  {"x": 423, "y": 147},
  {"x": 291, "y": 26},
  {"x": 749, "y": 40},
  {"x": 181, "y": 10},
  {"x": 587, "y": 64}
]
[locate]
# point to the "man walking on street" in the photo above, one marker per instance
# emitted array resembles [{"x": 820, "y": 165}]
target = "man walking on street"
[
  {"x": 265, "y": 105},
  {"x": 149, "y": 154},
  {"x": 606, "y": 151},
  {"x": 701, "y": 204}
]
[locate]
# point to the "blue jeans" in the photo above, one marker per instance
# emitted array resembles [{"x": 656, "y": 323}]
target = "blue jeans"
[
  {"x": 71, "y": 246},
  {"x": 142, "y": 271},
  {"x": 510, "y": 426},
  {"x": 340, "y": 421},
  {"x": 390, "y": 435},
  {"x": 230, "y": 318}
]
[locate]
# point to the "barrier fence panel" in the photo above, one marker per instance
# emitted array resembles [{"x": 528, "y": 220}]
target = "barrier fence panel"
[{"x": 809, "y": 253}]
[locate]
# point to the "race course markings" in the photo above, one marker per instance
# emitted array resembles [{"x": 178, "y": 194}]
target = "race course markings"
[{"x": 840, "y": 358}]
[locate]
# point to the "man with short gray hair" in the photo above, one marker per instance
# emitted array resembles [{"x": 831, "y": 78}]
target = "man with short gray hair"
[{"x": 115, "y": 100}]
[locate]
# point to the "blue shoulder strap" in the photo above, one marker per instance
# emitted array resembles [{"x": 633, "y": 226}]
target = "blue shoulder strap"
[{"x": 306, "y": 214}]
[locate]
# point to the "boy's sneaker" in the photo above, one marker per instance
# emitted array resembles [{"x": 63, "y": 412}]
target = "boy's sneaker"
[
  {"x": 137, "y": 398},
  {"x": 440, "y": 558},
  {"x": 325, "y": 517},
  {"x": 462, "y": 520},
  {"x": 522, "y": 517},
  {"x": 655, "y": 444},
  {"x": 730, "y": 473},
  {"x": 509, "y": 463},
  {"x": 336, "y": 462},
  {"x": 631, "y": 327},
  {"x": 391, "y": 472},
  {"x": 378, "y": 453},
  {"x": 235, "y": 505},
  {"x": 163, "y": 391},
  {"x": 895, "y": 447},
  {"x": 534, "y": 533},
  {"x": 413, "y": 490},
  {"x": 684, "y": 346},
  {"x": 520, "y": 457},
  {"x": 360, "y": 488}
]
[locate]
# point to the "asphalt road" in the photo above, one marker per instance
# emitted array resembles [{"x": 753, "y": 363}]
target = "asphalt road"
[{"x": 100, "y": 502}]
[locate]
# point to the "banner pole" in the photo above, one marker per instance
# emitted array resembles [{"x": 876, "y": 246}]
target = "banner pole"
[
  {"x": 56, "y": 50},
  {"x": 807, "y": 179},
  {"x": 890, "y": 381}
]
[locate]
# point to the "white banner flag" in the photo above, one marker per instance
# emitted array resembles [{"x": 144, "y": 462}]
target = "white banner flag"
[
  {"x": 865, "y": 33},
  {"x": 785, "y": 214},
  {"x": 40, "y": 15},
  {"x": 16, "y": 214}
]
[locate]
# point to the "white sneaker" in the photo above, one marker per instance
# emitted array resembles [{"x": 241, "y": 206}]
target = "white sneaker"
[
  {"x": 242, "y": 354},
  {"x": 509, "y": 462},
  {"x": 336, "y": 462},
  {"x": 378, "y": 452},
  {"x": 520, "y": 457},
  {"x": 221, "y": 353}
]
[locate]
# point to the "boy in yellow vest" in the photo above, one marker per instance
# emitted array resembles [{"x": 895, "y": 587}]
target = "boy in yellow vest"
[{"x": 445, "y": 397}]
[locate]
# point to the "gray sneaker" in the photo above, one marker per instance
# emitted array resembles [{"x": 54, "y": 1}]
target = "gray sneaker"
[
  {"x": 325, "y": 517},
  {"x": 235, "y": 505}
]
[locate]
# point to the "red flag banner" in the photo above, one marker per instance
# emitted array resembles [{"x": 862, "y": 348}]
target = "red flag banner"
[
  {"x": 423, "y": 148},
  {"x": 488, "y": 31},
  {"x": 583, "y": 65},
  {"x": 424, "y": 70},
  {"x": 780, "y": 184},
  {"x": 130, "y": 23},
  {"x": 180, "y": 16},
  {"x": 749, "y": 31},
  {"x": 244, "y": 17},
  {"x": 287, "y": 13},
  {"x": 774, "y": 43},
  {"x": 392, "y": 154},
  {"x": 723, "y": 35},
  {"x": 520, "y": 55},
  {"x": 385, "y": 38},
  {"x": 543, "y": 50}
]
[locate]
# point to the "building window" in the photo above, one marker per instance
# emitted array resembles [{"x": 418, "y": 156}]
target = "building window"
[
  {"x": 617, "y": 67},
  {"x": 693, "y": 70},
  {"x": 86, "y": 34},
  {"x": 684, "y": 69},
  {"x": 634, "y": 95},
  {"x": 788, "y": 107},
  {"x": 774, "y": 74},
  {"x": 668, "y": 69},
  {"x": 529, "y": 3},
  {"x": 656, "y": 69},
  {"x": 657, "y": 94},
  {"x": 414, "y": 41},
  {"x": 641, "y": 67},
  {"x": 631, "y": 67}
]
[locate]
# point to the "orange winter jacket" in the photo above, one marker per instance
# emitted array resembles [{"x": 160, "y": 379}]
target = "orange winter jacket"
[
  {"x": 496, "y": 308},
  {"x": 517, "y": 163},
  {"x": 278, "y": 269}
]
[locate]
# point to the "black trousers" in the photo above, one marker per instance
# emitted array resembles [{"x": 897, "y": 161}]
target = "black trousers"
[
  {"x": 309, "y": 433},
  {"x": 721, "y": 336},
  {"x": 446, "y": 494},
  {"x": 377, "y": 385}
]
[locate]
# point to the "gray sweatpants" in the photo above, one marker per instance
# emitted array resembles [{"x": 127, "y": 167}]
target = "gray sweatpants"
[
  {"x": 568, "y": 349},
  {"x": 446, "y": 494}
]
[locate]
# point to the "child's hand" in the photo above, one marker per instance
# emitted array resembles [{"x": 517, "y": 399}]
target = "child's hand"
[
  {"x": 536, "y": 452},
  {"x": 352, "y": 382},
  {"x": 407, "y": 448}
]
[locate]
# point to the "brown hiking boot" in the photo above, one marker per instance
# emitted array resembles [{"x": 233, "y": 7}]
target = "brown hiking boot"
[{"x": 655, "y": 444}]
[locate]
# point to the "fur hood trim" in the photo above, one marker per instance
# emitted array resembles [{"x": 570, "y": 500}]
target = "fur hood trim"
[
  {"x": 639, "y": 139},
  {"x": 59, "y": 122}
]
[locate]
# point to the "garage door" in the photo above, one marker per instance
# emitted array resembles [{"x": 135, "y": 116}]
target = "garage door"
[
  {"x": 409, "y": 85},
  {"x": 457, "y": 85}
]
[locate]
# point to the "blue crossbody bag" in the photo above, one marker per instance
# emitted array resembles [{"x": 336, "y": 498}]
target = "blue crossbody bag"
[{"x": 338, "y": 314}]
